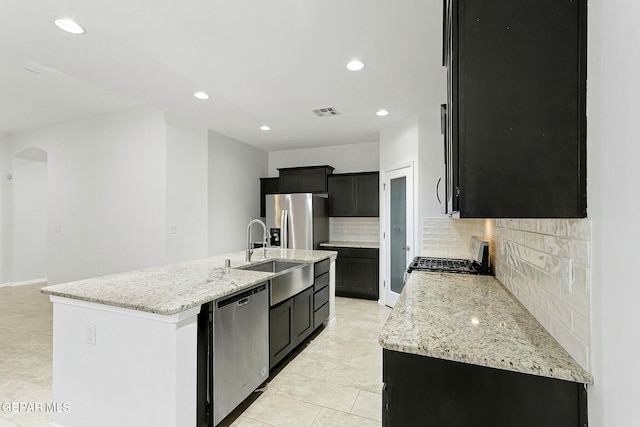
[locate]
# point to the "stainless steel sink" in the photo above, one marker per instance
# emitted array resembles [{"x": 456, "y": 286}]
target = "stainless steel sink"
[
  {"x": 291, "y": 278},
  {"x": 273, "y": 266}
]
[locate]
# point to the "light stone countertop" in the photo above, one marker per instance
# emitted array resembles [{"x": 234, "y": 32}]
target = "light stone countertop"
[
  {"x": 173, "y": 288},
  {"x": 344, "y": 244},
  {"x": 435, "y": 316}
]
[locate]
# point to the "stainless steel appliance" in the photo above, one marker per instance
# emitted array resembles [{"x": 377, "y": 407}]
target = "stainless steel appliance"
[
  {"x": 240, "y": 348},
  {"x": 297, "y": 221},
  {"x": 478, "y": 264}
]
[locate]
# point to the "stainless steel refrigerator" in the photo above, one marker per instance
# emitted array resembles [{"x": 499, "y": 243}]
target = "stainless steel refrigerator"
[{"x": 297, "y": 221}]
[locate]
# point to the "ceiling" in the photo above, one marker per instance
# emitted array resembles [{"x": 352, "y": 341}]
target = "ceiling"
[{"x": 261, "y": 62}]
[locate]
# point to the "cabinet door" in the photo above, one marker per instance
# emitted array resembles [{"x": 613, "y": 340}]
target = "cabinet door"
[
  {"x": 303, "y": 315},
  {"x": 366, "y": 188},
  {"x": 281, "y": 336},
  {"x": 342, "y": 200},
  {"x": 364, "y": 277},
  {"x": 522, "y": 114},
  {"x": 343, "y": 275}
]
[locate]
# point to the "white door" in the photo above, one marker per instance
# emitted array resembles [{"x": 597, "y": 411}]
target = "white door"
[{"x": 398, "y": 232}]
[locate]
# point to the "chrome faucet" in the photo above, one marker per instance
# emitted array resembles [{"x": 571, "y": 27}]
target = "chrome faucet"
[{"x": 265, "y": 236}]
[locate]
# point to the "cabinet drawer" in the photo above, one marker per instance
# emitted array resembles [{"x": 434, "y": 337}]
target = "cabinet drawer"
[
  {"x": 321, "y": 267},
  {"x": 320, "y": 315},
  {"x": 370, "y": 253},
  {"x": 321, "y": 282},
  {"x": 320, "y": 297}
]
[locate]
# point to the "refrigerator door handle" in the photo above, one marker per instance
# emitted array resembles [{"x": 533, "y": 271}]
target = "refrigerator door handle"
[{"x": 284, "y": 238}]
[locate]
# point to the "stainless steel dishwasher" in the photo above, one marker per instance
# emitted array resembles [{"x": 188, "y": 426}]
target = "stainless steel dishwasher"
[{"x": 240, "y": 348}]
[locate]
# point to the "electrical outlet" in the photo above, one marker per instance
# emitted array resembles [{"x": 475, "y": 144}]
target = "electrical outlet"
[
  {"x": 567, "y": 274},
  {"x": 173, "y": 229},
  {"x": 91, "y": 333}
]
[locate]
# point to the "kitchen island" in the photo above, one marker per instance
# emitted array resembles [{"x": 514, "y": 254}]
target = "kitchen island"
[
  {"x": 469, "y": 353},
  {"x": 125, "y": 345}
]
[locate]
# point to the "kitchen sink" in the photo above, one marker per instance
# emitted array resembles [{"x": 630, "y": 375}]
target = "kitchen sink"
[
  {"x": 273, "y": 266},
  {"x": 291, "y": 278}
]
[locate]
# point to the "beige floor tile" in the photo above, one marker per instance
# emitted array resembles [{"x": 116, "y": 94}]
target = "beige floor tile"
[
  {"x": 246, "y": 422},
  {"x": 331, "y": 418},
  {"x": 17, "y": 389},
  {"x": 319, "y": 392},
  {"x": 362, "y": 377},
  {"x": 368, "y": 405},
  {"x": 7, "y": 423},
  {"x": 272, "y": 409}
]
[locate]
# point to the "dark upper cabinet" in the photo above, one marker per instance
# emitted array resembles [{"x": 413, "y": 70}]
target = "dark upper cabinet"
[
  {"x": 308, "y": 179},
  {"x": 267, "y": 186},
  {"x": 516, "y": 107},
  {"x": 354, "y": 194}
]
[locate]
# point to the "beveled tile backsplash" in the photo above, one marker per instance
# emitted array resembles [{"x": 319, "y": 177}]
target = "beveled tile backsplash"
[
  {"x": 354, "y": 229},
  {"x": 526, "y": 257},
  {"x": 449, "y": 238}
]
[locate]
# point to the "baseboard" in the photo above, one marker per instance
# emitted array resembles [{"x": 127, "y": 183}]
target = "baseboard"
[{"x": 24, "y": 283}]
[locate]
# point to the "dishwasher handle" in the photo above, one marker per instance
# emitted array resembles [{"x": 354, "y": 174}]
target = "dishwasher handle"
[
  {"x": 242, "y": 298},
  {"x": 244, "y": 301}
]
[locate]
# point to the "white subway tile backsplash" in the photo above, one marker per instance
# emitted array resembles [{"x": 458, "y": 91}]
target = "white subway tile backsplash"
[
  {"x": 526, "y": 257},
  {"x": 355, "y": 229}
]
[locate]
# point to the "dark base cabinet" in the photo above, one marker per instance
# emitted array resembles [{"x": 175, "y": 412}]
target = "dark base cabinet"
[
  {"x": 428, "y": 392},
  {"x": 357, "y": 272},
  {"x": 292, "y": 321}
]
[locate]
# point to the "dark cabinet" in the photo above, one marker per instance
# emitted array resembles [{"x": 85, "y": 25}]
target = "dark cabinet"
[
  {"x": 354, "y": 194},
  {"x": 457, "y": 394},
  {"x": 281, "y": 335},
  {"x": 357, "y": 272},
  {"x": 516, "y": 107},
  {"x": 303, "y": 315},
  {"x": 321, "y": 292},
  {"x": 290, "y": 323},
  {"x": 267, "y": 186},
  {"x": 308, "y": 179}
]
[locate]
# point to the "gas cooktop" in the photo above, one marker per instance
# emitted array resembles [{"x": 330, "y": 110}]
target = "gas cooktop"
[{"x": 478, "y": 265}]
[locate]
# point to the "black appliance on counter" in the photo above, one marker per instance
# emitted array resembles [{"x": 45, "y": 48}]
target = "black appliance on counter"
[{"x": 478, "y": 264}]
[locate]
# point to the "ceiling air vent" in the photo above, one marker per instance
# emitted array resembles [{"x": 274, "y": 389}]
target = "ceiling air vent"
[{"x": 325, "y": 112}]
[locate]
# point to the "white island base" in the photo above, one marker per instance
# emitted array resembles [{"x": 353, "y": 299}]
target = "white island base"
[{"x": 114, "y": 366}]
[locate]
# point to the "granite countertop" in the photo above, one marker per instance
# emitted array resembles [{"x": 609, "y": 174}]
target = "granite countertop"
[
  {"x": 475, "y": 320},
  {"x": 174, "y": 288},
  {"x": 343, "y": 244}
]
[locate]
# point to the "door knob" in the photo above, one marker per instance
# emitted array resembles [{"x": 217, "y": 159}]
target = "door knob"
[{"x": 406, "y": 248}]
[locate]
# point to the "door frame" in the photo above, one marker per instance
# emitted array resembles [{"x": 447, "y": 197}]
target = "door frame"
[{"x": 407, "y": 170}]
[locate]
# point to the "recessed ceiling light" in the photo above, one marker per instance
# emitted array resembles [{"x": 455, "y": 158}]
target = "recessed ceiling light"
[
  {"x": 355, "y": 65},
  {"x": 69, "y": 25},
  {"x": 201, "y": 95},
  {"x": 382, "y": 113},
  {"x": 265, "y": 127}
]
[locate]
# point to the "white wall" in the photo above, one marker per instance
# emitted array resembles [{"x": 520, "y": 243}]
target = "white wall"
[
  {"x": 344, "y": 158},
  {"x": 235, "y": 169},
  {"x": 431, "y": 161},
  {"x": 106, "y": 193},
  {"x": 187, "y": 222},
  {"x": 613, "y": 206},
  {"x": 6, "y": 211},
  {"x": 29, "y": 185}
]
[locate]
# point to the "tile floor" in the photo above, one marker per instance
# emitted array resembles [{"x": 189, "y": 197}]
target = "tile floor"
[
  {"x": 336, "y": 379},
  {"x": 25, "y": 353}
]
